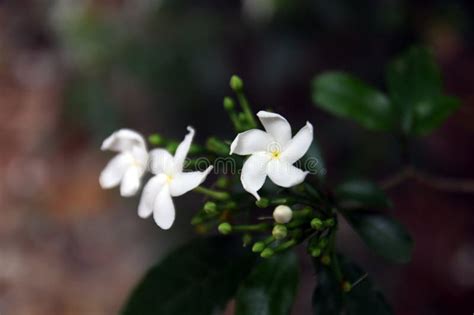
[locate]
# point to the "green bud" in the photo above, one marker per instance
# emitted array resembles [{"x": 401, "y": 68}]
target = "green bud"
[
  {"x": 306, "y": 211},
  {"x": 222, "y": 182},
  {"x": 262, "y": 203},
  {"x": 236, "y": 83},
  {"x": 326, "y": 260},
  {"x": 210, "y": 207},
  {"x": 329, "y": 222},
  {"x": 171, "y": 147},
  {"x": 197, "y": 220},
  {"x": 317, "y": 224},
  {"x": 258, "y": 247},
  {"x": 346, "y": 286},
  {"x": 267, "y": 253},
  {"x": 246, "y": 239},
  {"x": 229, "y": 103},
  {"x": 155, "y": 139},
  {"x": 225, "y": 228},
  {"x": 315, "y": 252},
  {"x": 323, "y": 242},
  {"x": 279, "y": 231}
]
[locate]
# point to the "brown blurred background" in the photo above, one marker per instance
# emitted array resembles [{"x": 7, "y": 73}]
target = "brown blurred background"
[{"x": 73, "y": 71}]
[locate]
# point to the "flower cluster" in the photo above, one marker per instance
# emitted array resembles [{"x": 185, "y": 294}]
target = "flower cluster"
[{"x": 298, "y": 213}]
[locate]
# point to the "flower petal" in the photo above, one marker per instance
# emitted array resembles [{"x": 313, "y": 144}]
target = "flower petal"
[
  {"x": 114, "y": 171},
  {"x": 131, "y": 181},
  {"x": 254, "y": 173},
  {"x": 161, "y": 161},
  {"x": 184, "y": 182},
  {"x": 149, "y": 194},
  {"x": 276, "y": 125},
  {"x": 123, "y": 140},
  {"x": 250, "y": 141},
  {"x": 183, "y": 148},
  {"x": 284, "y": 174},
  {"x": 163, "y": 209},
  {"x": 297, "y": 147}
]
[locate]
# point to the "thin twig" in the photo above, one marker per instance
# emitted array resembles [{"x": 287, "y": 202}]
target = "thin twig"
[
  {"x": 360, "y": 280},
  {"x": 434, "y": 181}
]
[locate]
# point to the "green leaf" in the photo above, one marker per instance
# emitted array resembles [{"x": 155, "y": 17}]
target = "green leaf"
[
  {"x": 363, "y": 299},
  {"x": 328, "y": 296},
  {"x": 348, "y": 97},
  {"x": 199, "y": 279},
  {"x": 361, "y": 194},
  {"x": 415, "y": 88},
  {"x": 270, "y": 288},
  {"x": 384, "y": 235}
]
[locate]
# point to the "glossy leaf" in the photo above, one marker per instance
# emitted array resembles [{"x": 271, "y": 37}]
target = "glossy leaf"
[
  {"x": 346, "y": 96},
  {"x": 270, "y": 288},
  {"x": 361, "y": 194},
  {"x": 384, "y": 235},
  {"x": 199, "y": 279},
  {"x": 363, "y": 299},
  {"x": 415, "y": 87}
]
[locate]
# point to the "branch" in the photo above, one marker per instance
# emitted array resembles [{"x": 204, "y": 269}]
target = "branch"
[{"x": 434, "y": 181}]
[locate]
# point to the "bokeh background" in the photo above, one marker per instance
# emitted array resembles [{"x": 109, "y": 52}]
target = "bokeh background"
[{"x": 73, "y": 71}]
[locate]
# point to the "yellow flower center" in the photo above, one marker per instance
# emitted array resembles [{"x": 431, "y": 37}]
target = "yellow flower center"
[
  {"x": 169, "y": 178},
  {"x": 275, "y": 154}
]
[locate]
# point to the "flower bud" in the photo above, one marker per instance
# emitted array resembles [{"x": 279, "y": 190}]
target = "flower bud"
[
  {"x": 225, "y": 228},
  {"x": 210, "y": 207},
  {"x": 246, "y": 239},
  {"x": 279, "y": 231},
  {"x": 323, "y": 242},
  {"x": 171, "y": 147},
  {"x": 229, "y": 103},
  {"x": 262, "y": 203},
  {"x": 315, "y": 252},
  {"x": 329, "y": 222},
  {"x": 267, "y": 253},
  {"x": 222, "y": 182},
  {"x": 282, "y": 214},
  {"x": 346, "y": 286},
  {"x": 258, "y": 247},
  {"x": 317, "y": 224},
  {"x": 155, "y": 139},
  {"x": 326, "y": 260},
  {"x": 236, "y": 83}
]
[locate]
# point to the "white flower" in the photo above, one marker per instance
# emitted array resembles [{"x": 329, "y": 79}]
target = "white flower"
[
  {"x": 282, "y": 214},
  {"x": 169, "y": 181},
  {"x": 127, "y": 167},
  {"x": 272, "y": 153}
]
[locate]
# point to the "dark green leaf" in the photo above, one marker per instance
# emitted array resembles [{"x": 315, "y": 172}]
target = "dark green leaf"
[
  {"x": 328, "y": 296},
  {"x": 270, "y": 288},
  {"x": 363, "y": 299},
  {"x": 384, "y": 235},
  {"x": 199, "y": 279},
  {"x": 415, "y": 88},
  {"x": 348, "y": 97},
  {"x": 361, "y": 194}
]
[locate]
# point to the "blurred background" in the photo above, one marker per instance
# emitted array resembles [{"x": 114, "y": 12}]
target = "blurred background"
[{"x": 72, "y": 72}]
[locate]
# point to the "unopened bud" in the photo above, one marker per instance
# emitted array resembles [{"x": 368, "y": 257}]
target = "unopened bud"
[
  {"x": 262, "y": 203},
  {"x": 229, "y": 103},
  {"x": 279, "y": 231},
  {"x": 171, "y": 147},
  {"x": 326, "y": 260},
  {"x": 315, "y": 252},
  {"x": 323, "y": 242},
  {"x": 222, "y": 182},
  {"x": 346, "y": 286},
  {"x": 258, "y": 247},
  {"x": 236, "y": 83},
  {"x": 329, "y": 222},
  {"x": 267, "y": 253},
  {"x": 317, "y": 224},
  {"x": 155, "y": 139},
  {"x": 225, "y": 228},
  {"x": 282, "y": 214},
  {"x": 210, "y": 207},
  {"x": 246, "y": 239}
]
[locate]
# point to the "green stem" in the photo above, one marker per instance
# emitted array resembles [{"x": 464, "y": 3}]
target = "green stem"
[
  {"x": 219, "y": 195},
  {"x": 251, "y": 227},
  {"x": 246, "y": 109}
]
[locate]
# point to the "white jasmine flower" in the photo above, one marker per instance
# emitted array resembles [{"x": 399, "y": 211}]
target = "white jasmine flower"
[
  {"x": 127, "y": 167},
  {"x": 282, "y": 214},
  {"x": 272, "y": 153},
  {"x": 169, "y": 181}
]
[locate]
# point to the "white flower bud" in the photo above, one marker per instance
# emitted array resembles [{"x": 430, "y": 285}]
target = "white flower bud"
[{"x": 282, "y": 214}]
